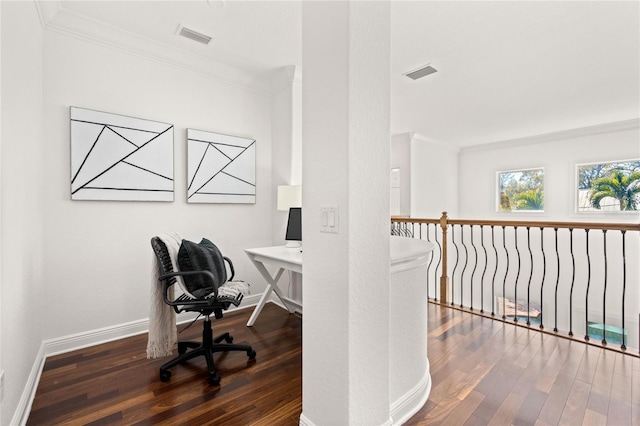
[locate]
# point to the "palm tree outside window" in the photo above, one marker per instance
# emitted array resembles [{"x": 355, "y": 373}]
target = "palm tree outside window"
[
  {"x": 610, "y": 187},
  {"x": 521, "y": 190}
]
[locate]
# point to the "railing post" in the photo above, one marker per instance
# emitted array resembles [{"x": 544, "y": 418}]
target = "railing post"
[{"x": 444, "y": 278}]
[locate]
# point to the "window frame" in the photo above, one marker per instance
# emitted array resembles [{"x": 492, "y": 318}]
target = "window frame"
[
  {"x": 498, "y": 191},
  {"x": 592, "y": 210}
]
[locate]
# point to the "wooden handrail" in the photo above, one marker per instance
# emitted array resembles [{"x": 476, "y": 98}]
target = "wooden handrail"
[
  {"x": 444, "y": 222},
  {"x": 413, "y": 227},
  {"x": 522, "y": 223}
]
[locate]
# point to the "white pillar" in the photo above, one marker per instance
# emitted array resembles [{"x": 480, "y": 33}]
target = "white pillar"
[{"x": 346, "y": 156}]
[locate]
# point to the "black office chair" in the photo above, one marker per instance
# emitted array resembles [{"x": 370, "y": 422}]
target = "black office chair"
[{"x": 210, "y": 302}]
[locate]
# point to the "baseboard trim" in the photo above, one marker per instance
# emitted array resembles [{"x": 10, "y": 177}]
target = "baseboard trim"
[
  {"x": 21, "y": 415},
  {"x": 297, "y": 306},
  {"x": 77, "y": 341},
  {"x": 83, "y": 340},
  {"x": 404, "y": 407},
  {"x": 411, "y": 402},
  {"x": 72, "y": 342}
]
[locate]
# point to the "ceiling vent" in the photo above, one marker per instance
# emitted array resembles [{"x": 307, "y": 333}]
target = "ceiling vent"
[
  {"x": 421, "y": 72},
  {"x": 193, "y": 35}
]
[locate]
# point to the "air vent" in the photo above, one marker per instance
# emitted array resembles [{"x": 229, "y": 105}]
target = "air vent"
[
  {"x": 193, "y": 35},
  {"x": 421, "y": 72}
]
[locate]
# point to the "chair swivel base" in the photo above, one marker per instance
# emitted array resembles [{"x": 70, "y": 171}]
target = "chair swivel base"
[{"x": 207, "y": 348}]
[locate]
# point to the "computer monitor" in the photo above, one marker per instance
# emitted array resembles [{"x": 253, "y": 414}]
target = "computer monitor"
[{"x": 294, "y": 227}]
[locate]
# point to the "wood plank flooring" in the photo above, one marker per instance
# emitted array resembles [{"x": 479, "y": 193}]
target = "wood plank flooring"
[{"x": 483, "y": 372}]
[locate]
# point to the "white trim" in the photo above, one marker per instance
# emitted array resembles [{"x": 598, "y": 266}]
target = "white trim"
[
  {"x": 297, "y": 306},
  {"x": 304, "y": 421},
  {"x": 411, "y": 402},
  {"x": 99, "y": 33},
  {"x": 563, "y": 134},
  {"x": 404, "y": 407},
  {"x": 21, "y": 415},
  {"x": 77, "y": 341},
  {"x": 90, "y": 338},
  {"x": 451, "y": 147}
]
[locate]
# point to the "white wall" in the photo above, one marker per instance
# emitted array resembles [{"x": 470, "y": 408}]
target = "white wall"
[
  {"x": 97, "y": 254},
  {"x": 22, "y": 202},
  {"x": 401, "y": 159},
  {"x": 428, "y": 176},
  {"x": 434, "y": 178},
  {"x": 558, "y": 154},
  {"x": 346, "y": 165},
  {"x": 286, "y": 159}
]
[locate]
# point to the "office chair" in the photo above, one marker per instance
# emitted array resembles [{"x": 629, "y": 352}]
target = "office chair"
[{"x": 211, "y": 298}]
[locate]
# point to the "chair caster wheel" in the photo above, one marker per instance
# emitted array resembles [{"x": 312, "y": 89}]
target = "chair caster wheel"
[
  {"x": 251, "y": 354},
  {"x": 229, "y": 339},
  {"x": 165, "y": 375},
  {"x": 214, "y": 380},
  {"x": 181, "y": 348}
]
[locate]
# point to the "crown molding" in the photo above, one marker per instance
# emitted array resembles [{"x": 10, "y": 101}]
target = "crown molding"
[
  {"x": 422, "y": 138},
  {"x": 54, "y": 17},
  {"x": 285, "y": 77},
  {"x": 560, "y": 135}
]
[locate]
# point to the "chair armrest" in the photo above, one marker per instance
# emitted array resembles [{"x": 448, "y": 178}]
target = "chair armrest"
[
  {"x": 233, "y": 272},
  {"x": 194, "y": 302}
]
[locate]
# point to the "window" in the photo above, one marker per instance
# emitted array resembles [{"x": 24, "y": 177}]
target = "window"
[
  {"x": 521, "y": 190},
  {"x": 611, "y": 187}
]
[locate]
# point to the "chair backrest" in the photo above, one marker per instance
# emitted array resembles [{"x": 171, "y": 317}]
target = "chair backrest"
[{"x": 164, "y": 260}]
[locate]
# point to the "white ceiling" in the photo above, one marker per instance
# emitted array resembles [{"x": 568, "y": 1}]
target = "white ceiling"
[{"x": 506, "y": 69}]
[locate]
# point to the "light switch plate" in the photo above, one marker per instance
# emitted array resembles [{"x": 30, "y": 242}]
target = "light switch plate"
[{"x": 329, "y": 220}]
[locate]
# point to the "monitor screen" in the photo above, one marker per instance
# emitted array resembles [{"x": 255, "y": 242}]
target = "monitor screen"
[{"x": 294, "y": 225}]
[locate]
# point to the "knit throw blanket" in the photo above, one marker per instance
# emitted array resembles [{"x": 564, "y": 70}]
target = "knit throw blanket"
[{"x": 162, "y": 318}]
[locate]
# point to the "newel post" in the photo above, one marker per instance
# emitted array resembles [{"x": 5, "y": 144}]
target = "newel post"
[{"x": 444, "y": 278}]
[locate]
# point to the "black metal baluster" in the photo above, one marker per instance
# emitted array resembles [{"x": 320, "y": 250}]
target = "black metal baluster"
[
  {"x": 530, "y": 276},
  {"x": 431, "y": 259},
  {"x": 573, "y": 279},
  {"x": 624, "y": 285},
  {"x": 544, "y": 274},
  {"x": 464, "y": 268},
  {"x": 555, "y": 326},
  {"x": 506, "y": 272},
  {"x": 486, "y": 261},
  {"x": 453, "y": 273},
  {"x": 475, "y": 265},
  {"x": 586, "y": 307},
  {"x": 604, "y": 293},
  {"x": 515, "y": 284},
  {"x": 435, "y": 271},
  {"x": 495, "y": 272}
]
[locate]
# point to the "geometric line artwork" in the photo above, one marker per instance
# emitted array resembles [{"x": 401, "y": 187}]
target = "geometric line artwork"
[
  {"x": 220, "y": 168},
  {"x": 115, "y": 157}
]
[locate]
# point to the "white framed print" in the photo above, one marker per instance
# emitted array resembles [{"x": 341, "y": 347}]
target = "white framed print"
[
  {"x": 220, "y": 168},
  {"x": 116, "y": 157}
]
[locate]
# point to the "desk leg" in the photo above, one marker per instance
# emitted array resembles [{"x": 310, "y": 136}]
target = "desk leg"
[
  {"x": 260, "y": 305},
  {"x": 271, "y": 287}
]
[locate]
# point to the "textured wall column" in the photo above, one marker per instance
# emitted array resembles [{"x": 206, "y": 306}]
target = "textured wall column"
[{"x": 345, "y": 128}]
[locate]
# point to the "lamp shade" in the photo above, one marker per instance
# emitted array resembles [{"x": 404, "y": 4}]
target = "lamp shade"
[{"x": 289, "y": 196}]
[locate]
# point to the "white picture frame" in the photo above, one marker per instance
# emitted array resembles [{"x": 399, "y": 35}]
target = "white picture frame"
[
  {"x": 120, "y": 158},
  {"x": 220, "y": 168}
]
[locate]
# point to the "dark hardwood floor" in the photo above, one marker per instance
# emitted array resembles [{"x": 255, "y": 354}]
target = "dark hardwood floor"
[{"x": 483, "y": 372}]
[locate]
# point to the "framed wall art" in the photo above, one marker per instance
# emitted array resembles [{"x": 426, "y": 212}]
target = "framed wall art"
[
  {"x": 220, "y": 168},
  {"x": 115, "y": 157}
]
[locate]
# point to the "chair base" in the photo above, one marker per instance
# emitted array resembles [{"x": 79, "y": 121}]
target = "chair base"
[{"x": 207, "y": 348}]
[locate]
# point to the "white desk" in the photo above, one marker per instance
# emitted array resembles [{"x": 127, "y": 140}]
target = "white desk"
[{"x": 282, "y": 258}]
